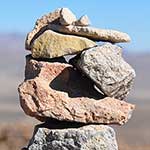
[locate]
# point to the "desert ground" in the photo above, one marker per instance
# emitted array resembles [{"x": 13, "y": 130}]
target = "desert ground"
[{"x": 16, "y": 128}]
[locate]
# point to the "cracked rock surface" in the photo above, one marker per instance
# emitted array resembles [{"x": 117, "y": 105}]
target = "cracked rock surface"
[
  {"x": 62, "y": 20},
  {"x": 56, "y": 90},
  {"x": 51, "y": 44},
  {"x": 92, "y": 137},
  {"x": 106, "y": 67}
]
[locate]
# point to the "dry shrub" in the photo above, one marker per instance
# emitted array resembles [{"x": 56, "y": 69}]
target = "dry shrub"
[{"x": 14, "y": 136}]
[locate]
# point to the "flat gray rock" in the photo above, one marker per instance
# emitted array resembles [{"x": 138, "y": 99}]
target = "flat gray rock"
[
  {"x": 106, "y": 67},
  {"x": 92, "y": 137}
]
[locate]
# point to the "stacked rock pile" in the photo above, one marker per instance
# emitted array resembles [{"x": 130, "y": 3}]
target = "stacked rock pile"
[{"x": 77, "y": 98}]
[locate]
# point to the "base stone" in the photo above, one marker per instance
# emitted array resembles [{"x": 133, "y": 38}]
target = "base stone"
[{"x": 90, "y": 137}]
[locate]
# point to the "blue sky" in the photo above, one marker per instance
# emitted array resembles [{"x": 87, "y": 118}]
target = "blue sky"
[{"x": 131, "y": 16}]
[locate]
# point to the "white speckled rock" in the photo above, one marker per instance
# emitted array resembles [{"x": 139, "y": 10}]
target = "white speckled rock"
[
  {"x": 106, "y": 67},
  {"x": 92, "y": 137}
]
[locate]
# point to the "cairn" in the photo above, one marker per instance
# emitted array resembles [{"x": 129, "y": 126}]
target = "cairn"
[{"x": 75, "y": 98}]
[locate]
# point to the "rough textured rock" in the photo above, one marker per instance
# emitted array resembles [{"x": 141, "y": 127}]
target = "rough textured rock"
[
  {"x": 41, "y": 23},
  {"x": 95, "y": 34},
  {"x": 53, "y": 20},
  {"x": 93, "y": 137},
  {"x": 106, "y": 67},
  {"x": 56, "y": 90},
  {"x": 67, "y": 17},
  {"x": 51, "y": 44},
  {"x": 83, "y": 21}
]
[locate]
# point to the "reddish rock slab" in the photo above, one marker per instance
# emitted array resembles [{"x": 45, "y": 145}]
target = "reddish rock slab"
[{"x": 56, "y": 90}]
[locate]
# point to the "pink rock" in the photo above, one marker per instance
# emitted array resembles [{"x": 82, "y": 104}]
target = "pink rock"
[{"x": 56, "y": 90}]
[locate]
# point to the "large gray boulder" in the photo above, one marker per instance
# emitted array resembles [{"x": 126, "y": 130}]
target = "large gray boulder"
[
  {"x": 106, "y": 67},
  {"x": 92, "y": 137}
]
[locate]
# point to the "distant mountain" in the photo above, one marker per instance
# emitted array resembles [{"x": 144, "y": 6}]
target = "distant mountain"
[
  {"x": 12, "y": 59},
  {"x": 12, "y": 41},
  {"x": 141, "y": 64}
]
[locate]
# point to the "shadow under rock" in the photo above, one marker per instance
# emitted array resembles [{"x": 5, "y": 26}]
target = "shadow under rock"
[
  {"x": 75, "y": 84},
  {"x": 51, "y": 123},
  {"x": 51, "y": 60}
]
